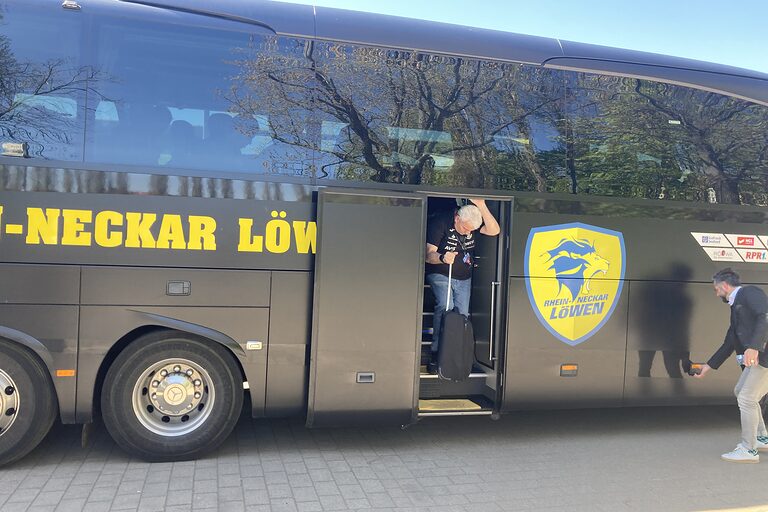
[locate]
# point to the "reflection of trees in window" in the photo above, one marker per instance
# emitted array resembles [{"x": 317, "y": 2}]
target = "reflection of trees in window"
[
  {"x": 639, "y": 138},
  {"x": 272, "y": 97},
  {"x": 39, "y": 101},
  {"x": 400, "y": 116}
]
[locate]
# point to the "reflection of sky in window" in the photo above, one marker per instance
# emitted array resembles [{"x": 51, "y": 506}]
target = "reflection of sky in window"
[
  {"x": 106, "y": 111},
  {"x": 58, "y": 105},
  {"x": 419, "y": 135},
  {"x": 544, "y": 137},
  {"x": 330, "y": 131}
]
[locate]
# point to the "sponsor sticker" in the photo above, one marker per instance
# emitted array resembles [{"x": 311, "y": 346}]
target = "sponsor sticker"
[
  {"x": 575, "y": 276},
  {"x": 754, "y": 255},
  {"x": 733, "y": 247},
  {"x": 711, "y": 239},
  {"x": 722, "y": 254},
  {"x": 746, "y": 241}
]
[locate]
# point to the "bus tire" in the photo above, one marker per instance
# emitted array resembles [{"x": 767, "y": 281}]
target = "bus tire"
[
  {"x": 27, "y": 401},
  {"x": 171, "y": 395}
]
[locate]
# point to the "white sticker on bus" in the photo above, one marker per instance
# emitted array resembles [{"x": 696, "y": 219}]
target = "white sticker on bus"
[
  {"x": 722, "y": 254},
  {"x": 754, "y": 255},
  {"x": 745, "y": 241},
  {"x": 711, "y": 239}
]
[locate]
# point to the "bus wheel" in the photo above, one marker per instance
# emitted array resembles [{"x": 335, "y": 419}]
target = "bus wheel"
[
  {"x": 171, "y": 396},
  {"x": 27, "y": 402}
]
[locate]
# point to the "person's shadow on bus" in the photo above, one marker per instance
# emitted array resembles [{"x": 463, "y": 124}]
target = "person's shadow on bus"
[{"x": 663, "y": 322}]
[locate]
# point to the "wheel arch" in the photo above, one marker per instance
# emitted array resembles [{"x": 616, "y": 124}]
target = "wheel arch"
[
  {"x": 30, "y": 342},
  {"x": 157, "y": 323},
  {"x": 38, "y": 351}
]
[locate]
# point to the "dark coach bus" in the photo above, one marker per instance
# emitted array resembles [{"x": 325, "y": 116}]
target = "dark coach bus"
[{"x": 205, "y": 203}]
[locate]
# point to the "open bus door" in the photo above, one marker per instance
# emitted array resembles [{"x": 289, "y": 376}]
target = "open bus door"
[
  {"x": 366, "y": 322},
  {"x": 481, "y": 393}
]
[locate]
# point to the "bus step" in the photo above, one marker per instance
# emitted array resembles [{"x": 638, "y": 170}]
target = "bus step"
[{"x": 453, "y": 407}]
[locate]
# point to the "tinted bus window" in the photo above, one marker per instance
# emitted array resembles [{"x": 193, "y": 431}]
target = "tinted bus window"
[
  {"x": 638, "y": 138},
  {"x": 179, "y": 96},
  {"x": 42, "y": 81},
  {"x": 396, "y": 116},
  {"x": 408, "y": 117}
]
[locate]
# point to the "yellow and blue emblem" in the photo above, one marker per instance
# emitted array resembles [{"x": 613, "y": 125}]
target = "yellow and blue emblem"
[{"x": 574, "y": 275}]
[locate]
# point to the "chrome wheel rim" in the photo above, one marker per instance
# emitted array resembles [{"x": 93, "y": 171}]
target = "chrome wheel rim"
[
  {"x": 9, "y": 402},
  {"x": 173, "y": 397}
]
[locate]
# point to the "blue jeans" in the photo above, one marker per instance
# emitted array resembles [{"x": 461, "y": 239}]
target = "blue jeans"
[{"x": 460, "y": 292}]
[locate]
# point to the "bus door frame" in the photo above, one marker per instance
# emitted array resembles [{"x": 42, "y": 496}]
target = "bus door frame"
[{"x": 496, "y": 363}]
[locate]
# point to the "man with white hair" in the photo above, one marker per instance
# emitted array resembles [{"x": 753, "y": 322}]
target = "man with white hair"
[{"x": 451, "y": 241}]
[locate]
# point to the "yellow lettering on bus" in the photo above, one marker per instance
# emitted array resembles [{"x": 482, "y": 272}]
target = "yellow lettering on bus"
[
  {"x": 248, "y": 242},
  {"x": 171, "y": 233},
  {"x": 278, "y": 235},
  {"x": 43, "y": 226},
  {"x": 305, "y": 234},
  {"x": 202, "y": 233},
  {"x": 101, "y": 229},
  {"x": 74, "y": 225},
  {"x": 138, "y": 230}
]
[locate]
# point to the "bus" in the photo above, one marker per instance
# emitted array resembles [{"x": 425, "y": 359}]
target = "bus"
[{"x": 206, "y": 206}]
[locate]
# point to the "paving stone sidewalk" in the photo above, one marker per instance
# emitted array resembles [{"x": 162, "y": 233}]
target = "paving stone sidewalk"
[{"x": 662, "y": 459}]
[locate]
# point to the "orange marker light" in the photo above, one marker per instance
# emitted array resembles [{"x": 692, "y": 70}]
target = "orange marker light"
[{"x": 65, "y": 373}]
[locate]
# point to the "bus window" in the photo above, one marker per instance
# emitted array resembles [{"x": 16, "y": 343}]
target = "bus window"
[
  {"x": 639, "y": 138},
  {"x": 179, "y": 95},
  {"x": 42, "y": 81},
  {"x": 399, "y": 116}
]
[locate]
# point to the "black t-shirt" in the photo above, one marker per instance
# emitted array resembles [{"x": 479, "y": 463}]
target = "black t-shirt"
[{"x": 442, "y": 234}]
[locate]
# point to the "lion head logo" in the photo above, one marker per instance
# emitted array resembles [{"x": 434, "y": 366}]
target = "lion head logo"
[{"x": 575, "y": 263}]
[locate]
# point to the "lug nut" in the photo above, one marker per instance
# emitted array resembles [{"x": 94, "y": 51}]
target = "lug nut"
[
  {"x": 197, "y": 383},
  {"x": 177, "y": 368},
  {"x": 190, "y": 372},
  {"x": 163, "y": 373},
  {"x": 155, "y": 383},
  {"x": 197, "y": 394}
]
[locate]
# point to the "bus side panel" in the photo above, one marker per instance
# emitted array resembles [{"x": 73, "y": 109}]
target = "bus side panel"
[
  {"x": 40, "y": 301},
  {"x": 534, "y": 357},
  {"x": 229, "y": 303},
  {"x": 670, "y": 324},
  {"x": 289, "y": 333}
]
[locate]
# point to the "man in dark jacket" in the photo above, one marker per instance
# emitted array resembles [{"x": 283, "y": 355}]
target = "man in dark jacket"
[
  {"x": 451, "y": 242},
  {"x": 746, "y": 336}
]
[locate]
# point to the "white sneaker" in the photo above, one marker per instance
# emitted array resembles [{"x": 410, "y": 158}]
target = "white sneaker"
[
  {"x": 741, "y": 454},
  {"x": 762, "y": 443}
]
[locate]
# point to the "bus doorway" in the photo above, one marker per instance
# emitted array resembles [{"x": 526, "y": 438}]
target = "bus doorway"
[
  {"x": 480, "y": 393},
  {"x": 372, "y": 313}
]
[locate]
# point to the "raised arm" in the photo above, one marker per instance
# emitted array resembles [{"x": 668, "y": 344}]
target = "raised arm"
[{"x": 490, "y": 227}]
